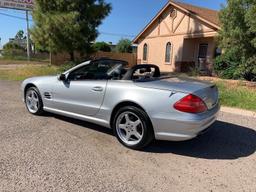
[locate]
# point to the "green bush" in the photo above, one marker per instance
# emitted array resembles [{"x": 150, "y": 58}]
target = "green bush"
[
  {"x": 221, "y": 68},
  {"x": 101, "y": 46},
  {"x": 13, "y": 49},
  {"x": 124, "y": 46},
  {"x": 227, "y": 67}
]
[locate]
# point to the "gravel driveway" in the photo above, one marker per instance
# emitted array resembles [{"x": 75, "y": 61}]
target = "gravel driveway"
[{"x": 52, "y": 153}]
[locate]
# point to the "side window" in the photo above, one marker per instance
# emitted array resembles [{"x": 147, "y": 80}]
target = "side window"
[
  {"x": 94, "y": 71},
  {"x": 81, "y": 73},
  {"x": 145, "y": 52},
  {"x": 168, "y": 52}
]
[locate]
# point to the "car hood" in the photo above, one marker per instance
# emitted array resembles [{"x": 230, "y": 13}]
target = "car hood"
[
  {"x": 40, "y": 78},
  {"x": 186, "y": 85}
]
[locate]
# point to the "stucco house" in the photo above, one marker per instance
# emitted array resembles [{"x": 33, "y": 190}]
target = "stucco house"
[{"x": 180, "y": 36}]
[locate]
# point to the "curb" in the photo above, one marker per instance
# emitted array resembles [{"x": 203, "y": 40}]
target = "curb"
[{"x": 236, "y": 111}]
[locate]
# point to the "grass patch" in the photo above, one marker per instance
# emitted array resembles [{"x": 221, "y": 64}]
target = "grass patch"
[
  {"x": 22, "y": 73},
  {"x": 33, "y": 58},
  {"x": 237, "y": 96},
  {"x": 21, "y": 62}
]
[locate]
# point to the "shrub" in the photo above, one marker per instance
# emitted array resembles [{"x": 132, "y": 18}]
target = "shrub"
[
  {"x": 102, "y": 46},
  {"x": 12, "y": 49},
  {"x": 124, "y": 46},
  {"x": 226, "y": 66}
]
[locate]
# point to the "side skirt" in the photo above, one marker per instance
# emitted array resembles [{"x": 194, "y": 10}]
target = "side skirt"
[{"x": 79, "y": 116}]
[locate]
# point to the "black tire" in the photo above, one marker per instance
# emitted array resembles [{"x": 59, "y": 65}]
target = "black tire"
[
  {"x": 147, "y": 136},
  {"x": 40, "y": 110}
]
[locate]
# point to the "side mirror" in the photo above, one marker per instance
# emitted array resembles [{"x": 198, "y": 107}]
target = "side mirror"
[{"x": 62, "y": 77}]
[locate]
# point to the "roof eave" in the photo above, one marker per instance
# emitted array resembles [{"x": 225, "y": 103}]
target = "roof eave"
[{"x": 152, "y": 21}]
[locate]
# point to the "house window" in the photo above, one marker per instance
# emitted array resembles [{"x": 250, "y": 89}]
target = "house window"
[
  {"x": 168, "y": 52},
  {"x": 145, "y": 52}
]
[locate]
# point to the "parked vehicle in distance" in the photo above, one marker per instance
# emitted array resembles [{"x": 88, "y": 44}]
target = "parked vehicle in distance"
[{"x": 137, "y": 103}]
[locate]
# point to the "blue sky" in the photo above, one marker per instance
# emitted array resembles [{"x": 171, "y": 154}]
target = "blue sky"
[{"x": 128, "y": 17}]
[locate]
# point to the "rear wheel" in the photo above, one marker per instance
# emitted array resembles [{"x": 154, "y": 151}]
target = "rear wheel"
[
  {"x": 34, "y": 101},
  {"x": 133, "y": 128}
]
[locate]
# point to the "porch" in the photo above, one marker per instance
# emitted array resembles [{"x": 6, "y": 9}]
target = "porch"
[{"x": 198, "y": 53}]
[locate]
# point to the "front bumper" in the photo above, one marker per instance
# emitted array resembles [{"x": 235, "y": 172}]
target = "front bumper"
[{"x": 182, "y": 126}]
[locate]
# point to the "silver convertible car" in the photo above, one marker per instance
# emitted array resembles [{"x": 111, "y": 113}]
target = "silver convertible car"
[{"x": 137, "y": 103}]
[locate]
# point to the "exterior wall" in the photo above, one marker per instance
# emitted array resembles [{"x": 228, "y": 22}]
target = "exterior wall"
[
  {"x": 156, "y": 51},
  {"x": 176, "y": 30}
]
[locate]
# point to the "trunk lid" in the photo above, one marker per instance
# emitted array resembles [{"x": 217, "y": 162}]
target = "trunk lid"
[{"x": 205, "y": 90}]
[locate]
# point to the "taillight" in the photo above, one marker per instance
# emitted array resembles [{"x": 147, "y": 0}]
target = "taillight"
[{"x": 191, "y": 104}]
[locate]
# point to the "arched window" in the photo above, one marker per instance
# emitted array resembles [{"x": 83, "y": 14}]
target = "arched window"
[
  {"x": 145, "y": 52},
  {"x": 168, "y": 52}
]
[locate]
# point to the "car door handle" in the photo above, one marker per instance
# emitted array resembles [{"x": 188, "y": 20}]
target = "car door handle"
[{"x": 98, "y": 89}]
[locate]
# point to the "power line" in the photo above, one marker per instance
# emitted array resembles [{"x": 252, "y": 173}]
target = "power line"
[
  {"x": 16, "y": 17},
  {"x": 101, "y": 32},
  {"x": 116, "y": 34}
]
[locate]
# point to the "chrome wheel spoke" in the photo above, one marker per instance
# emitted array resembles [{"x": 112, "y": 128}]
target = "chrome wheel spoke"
[
  {"x": 127, "y": 119},
  {"x": 137, "y": 123},
  {"x": 35, "y": 106},
  {"x": 128, "y": 136},
  {"x": 137, "y": 135}
]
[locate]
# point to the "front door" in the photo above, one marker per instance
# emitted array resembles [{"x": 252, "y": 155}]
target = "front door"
[
  {"x": 83, "y": 91},
  {"x": 202, "y": 55},
  {"x": 79, "y": 97}
]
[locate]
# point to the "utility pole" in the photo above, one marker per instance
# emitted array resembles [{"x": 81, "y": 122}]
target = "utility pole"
[{"x": 28, "y": 37}]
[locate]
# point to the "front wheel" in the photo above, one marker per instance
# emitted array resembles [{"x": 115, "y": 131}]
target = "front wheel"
[
  {"x": 34, "y": 101},
  {"x": 133, "y": 128}
]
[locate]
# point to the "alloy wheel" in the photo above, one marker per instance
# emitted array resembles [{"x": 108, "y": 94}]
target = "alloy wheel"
[
  {"x": 130, "y": 128},
  {"x": 32, "y": 101}
]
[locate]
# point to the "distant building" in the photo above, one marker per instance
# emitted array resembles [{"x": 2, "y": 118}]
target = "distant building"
[{"x": 181, "y": 35}]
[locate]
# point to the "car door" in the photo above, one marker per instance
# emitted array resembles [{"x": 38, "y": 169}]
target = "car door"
[{"x": 83, "y": 91}]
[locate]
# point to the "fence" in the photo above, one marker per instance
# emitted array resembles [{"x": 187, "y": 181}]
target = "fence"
[{"x": 61, "y": 58}]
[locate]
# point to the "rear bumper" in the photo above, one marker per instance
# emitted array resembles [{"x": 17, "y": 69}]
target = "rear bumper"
[{"x": 182, "y": 126}]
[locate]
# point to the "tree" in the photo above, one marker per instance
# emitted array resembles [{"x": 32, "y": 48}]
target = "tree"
[
  {"x": 102, "y": 46},
  {"x": 63, "y": 25},
  {"x": 20, "y": 35},
  {"x": 11, "y": 45},
  {"x": 124, "y": 46},
  {"x": 12, "y": 49},
  {"x": 237, "y": 38}
]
